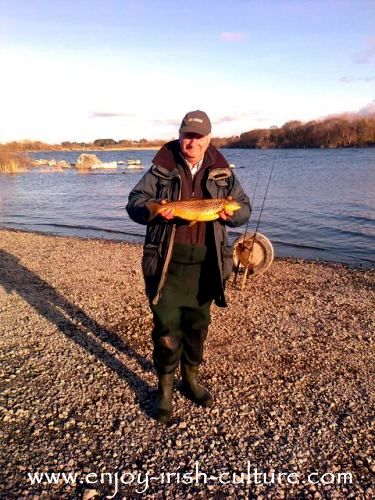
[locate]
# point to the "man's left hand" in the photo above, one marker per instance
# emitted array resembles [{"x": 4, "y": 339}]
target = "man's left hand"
[{"x": 226, "y": 214}]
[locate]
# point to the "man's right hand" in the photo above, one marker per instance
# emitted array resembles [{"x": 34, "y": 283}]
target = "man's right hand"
[{"x": 167, "y": 213}]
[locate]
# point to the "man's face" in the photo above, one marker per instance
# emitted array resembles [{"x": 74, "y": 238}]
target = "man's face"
[{"x": 193, "y": 146}]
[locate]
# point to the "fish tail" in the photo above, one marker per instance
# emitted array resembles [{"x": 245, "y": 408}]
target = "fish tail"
[{"x": 154, "y": 208}]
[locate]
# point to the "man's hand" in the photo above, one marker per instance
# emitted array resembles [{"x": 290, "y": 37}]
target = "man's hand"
[
  {"x": 226, "y": 214},
  {"x": 167, "y": 213}
]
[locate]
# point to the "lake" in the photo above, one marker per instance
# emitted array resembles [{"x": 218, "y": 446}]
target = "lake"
[{"x": 320, "y": 203}]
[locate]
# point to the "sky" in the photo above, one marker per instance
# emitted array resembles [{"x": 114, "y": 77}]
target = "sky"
[{"x": 80, "y": 70}]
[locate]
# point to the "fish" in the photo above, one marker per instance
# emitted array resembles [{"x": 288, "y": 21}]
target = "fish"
[{"x": 194, "y": 210}]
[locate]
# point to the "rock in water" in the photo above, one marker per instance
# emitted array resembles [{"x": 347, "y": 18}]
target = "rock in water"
[{"x": 86, "y": 161}]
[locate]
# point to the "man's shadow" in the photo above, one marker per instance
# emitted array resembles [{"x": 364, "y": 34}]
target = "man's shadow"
[{"x": 73, "y": 322}]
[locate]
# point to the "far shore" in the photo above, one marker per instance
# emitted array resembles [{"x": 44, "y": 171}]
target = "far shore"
[
  {"x": 333, "y": 132},
  {"x": 141, "y": 148},
  {"x": 156, "y": 148}
]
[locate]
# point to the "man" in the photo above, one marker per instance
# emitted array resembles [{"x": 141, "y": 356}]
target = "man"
[{"x": 185, "y": 266}]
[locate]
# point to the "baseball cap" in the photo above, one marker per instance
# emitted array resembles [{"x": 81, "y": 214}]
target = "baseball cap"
[{"x": 196, "y": 122}]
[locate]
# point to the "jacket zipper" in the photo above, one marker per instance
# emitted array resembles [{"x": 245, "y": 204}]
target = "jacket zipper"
[
  {"x": 218, "y": 252},
  {"x": 163, "y": 276}
]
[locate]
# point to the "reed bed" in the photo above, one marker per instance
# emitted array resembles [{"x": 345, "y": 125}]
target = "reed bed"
[{"x": 11, "y": 163}]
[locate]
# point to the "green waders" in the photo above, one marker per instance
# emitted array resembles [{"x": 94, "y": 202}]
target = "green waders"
[{"x": 181, "y": 320}]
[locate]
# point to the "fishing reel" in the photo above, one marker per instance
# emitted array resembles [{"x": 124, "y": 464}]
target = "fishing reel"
[{"x": 253, "y": 253}]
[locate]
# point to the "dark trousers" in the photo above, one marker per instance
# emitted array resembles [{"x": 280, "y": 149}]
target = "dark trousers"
[{"x": 182, "y": 316}]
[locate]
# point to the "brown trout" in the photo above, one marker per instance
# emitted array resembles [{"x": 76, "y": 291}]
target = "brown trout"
[{"x": 194, "y": 210}]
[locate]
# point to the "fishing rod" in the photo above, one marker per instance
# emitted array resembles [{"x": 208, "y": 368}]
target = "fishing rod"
[
  {"x": 246, "y": 228},
  {"x": 257, "y": 227}
]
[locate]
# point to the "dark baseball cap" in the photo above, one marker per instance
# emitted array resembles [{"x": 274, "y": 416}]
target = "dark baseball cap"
[{"x": 196, "y": 122}]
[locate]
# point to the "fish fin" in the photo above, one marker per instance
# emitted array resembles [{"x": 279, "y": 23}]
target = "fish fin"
[{"x": 192, "y": 223}]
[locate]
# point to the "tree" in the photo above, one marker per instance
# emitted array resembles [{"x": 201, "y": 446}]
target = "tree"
[{"x": 104, "y": 142}]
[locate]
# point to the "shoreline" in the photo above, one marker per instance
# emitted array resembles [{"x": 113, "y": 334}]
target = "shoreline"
[
  {"x": 363, "y": 265},
  {"x": 156, "y": 148},
  {"x": 71, "y": 150},
  {"x": 290, "y": 363}
]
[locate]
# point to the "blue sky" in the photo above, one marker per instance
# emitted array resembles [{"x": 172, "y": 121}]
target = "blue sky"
[{"x": 82, "y": 70}]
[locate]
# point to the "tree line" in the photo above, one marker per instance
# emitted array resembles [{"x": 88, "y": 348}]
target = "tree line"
[
  {"x": 333, "y": 132},
  {"x": 330, "y": 133},
  {"x": 18, "y": 146}
]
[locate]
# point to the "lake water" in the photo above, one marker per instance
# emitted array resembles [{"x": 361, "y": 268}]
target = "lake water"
[{"x": 320, "y": 203}]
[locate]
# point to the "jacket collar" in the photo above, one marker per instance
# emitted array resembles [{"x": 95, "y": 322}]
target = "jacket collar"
[{"x": 169, "y": 156}]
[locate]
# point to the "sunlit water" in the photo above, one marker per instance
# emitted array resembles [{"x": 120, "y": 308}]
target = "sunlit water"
[{"x": 320, "y": 203}]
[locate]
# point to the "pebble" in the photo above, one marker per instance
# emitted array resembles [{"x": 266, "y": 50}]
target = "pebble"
[{"x": 87, "y": 494}]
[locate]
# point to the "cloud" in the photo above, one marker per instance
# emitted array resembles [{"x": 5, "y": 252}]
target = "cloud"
[
  {"x": 350, "y": 79},
  {"x": 167, "y": 122},
  {"x": 234, "y": 117},
  {"x": 217, "y": 120},
  {"x": 368, "y": 110},
  {"x": 232, "y": 36},
  {"x": 109, "y": 114},
  {"x": 367, "y": 55}
]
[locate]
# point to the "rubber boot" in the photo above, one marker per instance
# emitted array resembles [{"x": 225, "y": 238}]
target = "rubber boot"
[
  {"x": 196, "y": 392},
  {"x": 163, "y": 404}
]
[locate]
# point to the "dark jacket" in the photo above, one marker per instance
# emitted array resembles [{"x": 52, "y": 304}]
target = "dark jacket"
[{"x": 163, "y": 181}]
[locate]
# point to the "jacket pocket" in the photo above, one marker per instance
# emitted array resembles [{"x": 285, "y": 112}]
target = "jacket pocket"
[
  {"x": 150, "y": 260},
  {"x": 227, "y": 261},
  {"x": 163, "y": 190},
  {"x": 221, "y": 183},
  {"x": 222, "y": 188}
]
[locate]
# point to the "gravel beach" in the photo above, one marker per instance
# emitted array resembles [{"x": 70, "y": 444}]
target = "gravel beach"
[{"x": 290, "y": 363}]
